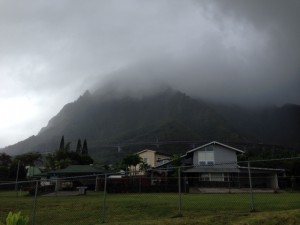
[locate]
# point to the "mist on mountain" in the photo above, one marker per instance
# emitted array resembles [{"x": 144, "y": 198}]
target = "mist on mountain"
[{"x": 167, "y": 115}]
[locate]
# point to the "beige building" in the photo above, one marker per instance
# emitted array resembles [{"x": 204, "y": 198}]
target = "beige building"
[{"x": 153, "y": 158}]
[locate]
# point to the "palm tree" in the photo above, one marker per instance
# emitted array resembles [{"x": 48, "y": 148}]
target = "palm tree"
[
  {"x": 132, "y": 160},
  {"x": 136, "y": 159},
  {"x": 144, "y": 166}
]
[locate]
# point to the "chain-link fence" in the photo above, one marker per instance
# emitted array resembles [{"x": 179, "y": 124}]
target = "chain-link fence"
[{"x": 165, "y": 192}]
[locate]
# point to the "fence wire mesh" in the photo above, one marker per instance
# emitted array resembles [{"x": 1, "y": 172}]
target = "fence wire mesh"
[{"x": 114, "y": 198}]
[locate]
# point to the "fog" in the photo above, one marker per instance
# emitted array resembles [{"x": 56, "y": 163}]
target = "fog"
[{"x": 234, "y": 51}]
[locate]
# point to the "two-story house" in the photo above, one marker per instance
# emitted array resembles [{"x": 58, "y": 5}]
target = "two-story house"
[
  {"x": 211, "y": 162},
  {"x": 216, "y": 165},
  {"x": 153, "y": 158}
]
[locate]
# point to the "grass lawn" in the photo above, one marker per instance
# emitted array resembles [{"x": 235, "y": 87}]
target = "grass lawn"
[{"x": 156, "y": 208}]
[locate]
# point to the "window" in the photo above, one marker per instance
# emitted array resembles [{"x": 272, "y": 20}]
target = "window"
[
  {"x": 202, "y": 163},
  {"x": 216, "y": 177},
  {"x": 206, "y": 157},
  {"x": 211, "y": 177},
  {"x": 209, "y": 163},
  {"x": 146, "y": 160},
  {"x": 226, "y": 177},
  {"x": 204, "y": 177}
]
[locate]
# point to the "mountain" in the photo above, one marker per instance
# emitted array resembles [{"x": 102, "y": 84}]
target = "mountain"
[
  {"x": 269, "y": 125},
  {"x": 167, "y": 116}
]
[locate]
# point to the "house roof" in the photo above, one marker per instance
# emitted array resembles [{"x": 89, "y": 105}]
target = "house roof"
[
  {"x": 214, "y": 143},
  {"x": 78, "y": 169},
  {"x": 156, "y": 152}
]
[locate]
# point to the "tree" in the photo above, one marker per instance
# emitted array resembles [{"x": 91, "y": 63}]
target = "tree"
[
  {"x": 79, "y": 146},
  {"x": 29, "y": 159},
  {"x": 62, "y": 143},
  {"x": 51, "y": 161},
  {"x": 144, "y": 166},
  {"x": 5, "y": 160},
  {"x": 132, "y": 160},
  {"x": 5, "y": 163},
  {"x": 176, "y": 162},
  {"x": 136, "y": 159},
  {"x": 85, "y": 148},
  {"x": 20, "y": 162},
  {"x": 13, "y": 170},
  {"x": 127, "y": 161},
  {"x": 63, "y": 157},
  {"x": 118, "y": 166}
]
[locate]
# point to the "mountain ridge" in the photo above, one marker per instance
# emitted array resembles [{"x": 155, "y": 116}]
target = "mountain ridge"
[{"x": 168, "y": 115}]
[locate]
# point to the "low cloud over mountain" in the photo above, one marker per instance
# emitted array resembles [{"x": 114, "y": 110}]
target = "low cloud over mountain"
[{"x": 166, "y": 116}]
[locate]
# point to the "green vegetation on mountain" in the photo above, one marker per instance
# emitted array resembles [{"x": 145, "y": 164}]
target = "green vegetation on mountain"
[{"x": 168, "y": 116}]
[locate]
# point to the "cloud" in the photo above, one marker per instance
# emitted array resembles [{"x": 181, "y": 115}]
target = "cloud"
[
  {"x": 275, "y": 66},
  {"x": 243, "y": 51},
  {"x": 234, "y": 50}
]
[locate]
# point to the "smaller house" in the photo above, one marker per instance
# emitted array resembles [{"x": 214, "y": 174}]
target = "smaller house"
[
  {"x": 73, "y": 176},
  {"x": 153, "y": 158}
]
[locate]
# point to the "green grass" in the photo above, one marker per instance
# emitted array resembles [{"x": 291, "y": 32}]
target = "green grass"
[{"x": 155, "y": 208}]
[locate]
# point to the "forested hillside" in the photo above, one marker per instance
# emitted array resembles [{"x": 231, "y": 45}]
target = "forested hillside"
[{"x": 166, "y": 116}]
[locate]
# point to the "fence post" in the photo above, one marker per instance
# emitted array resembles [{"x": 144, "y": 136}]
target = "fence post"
[
  {"x": 229, "y": 186},
  {"x": 140, "y": 184},
  {"x": 17, "y": 177},
  {"x": 179, "y": 192},
  {"x": 104, "y": 199},
  {"x": 251, "y": 190},
  {"x": 34, "y": 202},
  {"x": 96, "y": 184}
]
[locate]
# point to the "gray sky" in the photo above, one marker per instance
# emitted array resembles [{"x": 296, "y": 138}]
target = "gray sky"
[{"x": 224, "y": 50}]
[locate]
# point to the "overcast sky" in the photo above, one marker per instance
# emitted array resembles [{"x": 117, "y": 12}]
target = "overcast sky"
[{"x": 225, "y": 50}]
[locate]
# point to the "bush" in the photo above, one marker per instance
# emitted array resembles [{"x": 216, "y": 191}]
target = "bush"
[{"x": 16, "y": 219}]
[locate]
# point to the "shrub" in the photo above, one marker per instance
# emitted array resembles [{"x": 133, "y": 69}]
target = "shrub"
[{"x": 16, "y": 219}]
